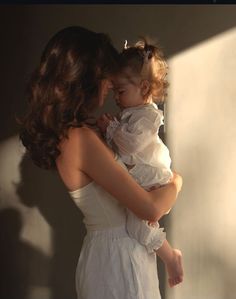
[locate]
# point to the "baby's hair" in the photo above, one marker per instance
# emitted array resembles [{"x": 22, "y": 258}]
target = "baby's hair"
[{"x": 146, "y": 60}]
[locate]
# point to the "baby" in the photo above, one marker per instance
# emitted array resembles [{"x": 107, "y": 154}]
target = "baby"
[{"x": 139, "y": 84}]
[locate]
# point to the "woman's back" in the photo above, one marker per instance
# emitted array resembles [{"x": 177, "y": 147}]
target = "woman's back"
[
  {"x": 100, "y": 209},
  {"x": 69, "y": 161}
]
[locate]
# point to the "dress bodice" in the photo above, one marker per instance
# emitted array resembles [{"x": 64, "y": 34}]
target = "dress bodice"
[
  {"x": 111, "y": 264},
  {"x": 99, "y": 208}
]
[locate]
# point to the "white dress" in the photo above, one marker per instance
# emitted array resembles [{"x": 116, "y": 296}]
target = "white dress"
[
  {"x": 134, "y": 136},
  {"x": 112, "y": 265}
]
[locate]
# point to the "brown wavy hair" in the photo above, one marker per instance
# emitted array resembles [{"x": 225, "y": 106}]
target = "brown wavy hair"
[
  {"x": 146, "y": 60},
  {"x": 63, "y": 89}
]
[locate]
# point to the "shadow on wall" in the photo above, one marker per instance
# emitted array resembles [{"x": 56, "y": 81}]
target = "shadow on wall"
[
  {"x": 44, "y": 190},
  {"x": 14, "y": 258}
]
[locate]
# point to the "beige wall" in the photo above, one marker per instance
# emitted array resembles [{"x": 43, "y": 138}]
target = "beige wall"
[
  {"x": 201, "y": 133},
  {"x": 40, "y": 228}
]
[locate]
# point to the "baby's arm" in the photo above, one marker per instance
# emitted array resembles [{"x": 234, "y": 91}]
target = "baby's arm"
[{"x": 134, "y": 133}]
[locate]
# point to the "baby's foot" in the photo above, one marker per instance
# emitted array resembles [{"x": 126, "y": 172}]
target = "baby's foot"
[{"x": 175, "y": 268}]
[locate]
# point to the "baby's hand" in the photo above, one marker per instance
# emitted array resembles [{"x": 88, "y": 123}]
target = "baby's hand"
[{"x": 104, "y": 121}]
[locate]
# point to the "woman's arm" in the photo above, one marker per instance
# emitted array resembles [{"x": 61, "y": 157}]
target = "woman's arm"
[{"x": 98, "y": 162}]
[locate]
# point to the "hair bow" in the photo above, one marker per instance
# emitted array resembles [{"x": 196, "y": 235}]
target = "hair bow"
[
  {"x": 125, "y": 44},
  {"x": 146, "y": 55}
]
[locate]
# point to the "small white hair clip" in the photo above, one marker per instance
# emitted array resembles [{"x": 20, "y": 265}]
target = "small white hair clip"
[
  {"x": 146, "y": 55},
  {"x": 125, "y": 44}
]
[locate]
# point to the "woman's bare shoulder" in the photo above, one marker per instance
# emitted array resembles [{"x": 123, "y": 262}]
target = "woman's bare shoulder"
[
  {"x": 81, "y": 132},
  {"x": 84, "y": 141},
  {"x": 80, "y": 136},
  {"x": 72, "y": 153}
]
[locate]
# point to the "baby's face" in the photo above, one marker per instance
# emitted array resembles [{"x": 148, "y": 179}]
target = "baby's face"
[{"x": 127, "y": 93}]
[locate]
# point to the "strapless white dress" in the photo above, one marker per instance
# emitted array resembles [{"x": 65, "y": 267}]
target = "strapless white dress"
[{"x": 111, "y": 265}]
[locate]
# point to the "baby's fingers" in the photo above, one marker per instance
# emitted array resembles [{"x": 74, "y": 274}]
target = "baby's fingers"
[{"x": 109, "y": 116}]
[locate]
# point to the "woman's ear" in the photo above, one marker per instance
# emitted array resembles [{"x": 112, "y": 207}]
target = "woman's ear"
[{"x": 145, "y": 86}]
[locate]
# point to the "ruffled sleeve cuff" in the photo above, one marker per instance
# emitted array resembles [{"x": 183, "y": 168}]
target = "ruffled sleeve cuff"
[
  {"x": 155, "y": 239},
  {"x": 150, "y": 236}
]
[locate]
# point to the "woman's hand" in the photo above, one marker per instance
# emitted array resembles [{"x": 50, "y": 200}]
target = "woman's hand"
[
  {"x": 177, "y": 180},
  {"x": 168, "y": 191}
]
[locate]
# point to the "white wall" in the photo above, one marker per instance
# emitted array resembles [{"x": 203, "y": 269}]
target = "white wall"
[{"x": 201, "y": 133}]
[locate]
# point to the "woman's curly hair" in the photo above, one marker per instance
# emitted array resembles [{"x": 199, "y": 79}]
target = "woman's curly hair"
[
  {"x": 147, "y": 61},
  {"x": 63, "y": 89}
]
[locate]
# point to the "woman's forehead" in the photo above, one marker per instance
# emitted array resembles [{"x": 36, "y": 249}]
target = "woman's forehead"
[{"x": 120, "y": 81}]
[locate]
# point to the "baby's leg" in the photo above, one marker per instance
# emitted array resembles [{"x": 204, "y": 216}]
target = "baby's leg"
[
  {"x": 153, "y": 238},
  {"x": 172, "y": 259}
]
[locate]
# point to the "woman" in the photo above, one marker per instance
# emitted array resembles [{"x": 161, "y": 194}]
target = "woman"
[{"x": 73, "y": 79}]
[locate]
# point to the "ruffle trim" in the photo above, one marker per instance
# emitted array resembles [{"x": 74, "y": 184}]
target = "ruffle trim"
[
  {"x": 150, "y": 236},
  {"x": 155, "y": 239}
]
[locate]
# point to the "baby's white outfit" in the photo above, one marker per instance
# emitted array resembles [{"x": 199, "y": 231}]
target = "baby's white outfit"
[{"x": 134, "y": 136}]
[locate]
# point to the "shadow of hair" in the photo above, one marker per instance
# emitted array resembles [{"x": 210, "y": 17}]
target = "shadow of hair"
[{"x": 44, "y": 189}]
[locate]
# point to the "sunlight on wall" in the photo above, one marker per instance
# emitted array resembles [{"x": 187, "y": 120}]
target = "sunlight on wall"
[{"x": 201, "y": 131}]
